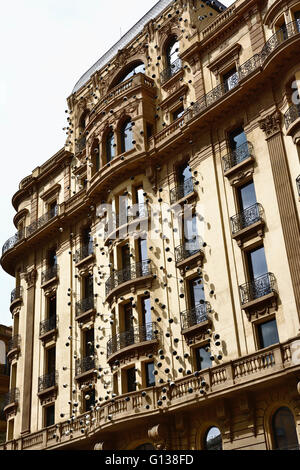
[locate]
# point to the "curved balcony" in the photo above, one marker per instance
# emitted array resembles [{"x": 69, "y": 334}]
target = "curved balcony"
[
  {"x": 185, "y": 190},
  {"x": 51, "y": 274},
  {"x": 261, "y": 291},
  {"x": 138, "y": 338},
  {"x": 136, "y": 274},
  {"x": 85, "y": 367},
  {"x": 244, "y": 224},
  {"x": 282, "y": 35},
  {"x": 237, "y": 157},
  {"x": 41, "y": 221},
  {"x": 117, "y": 222},
  {"x": 85, "y": 309},
  {"x": 13, "y": 241},
  {"x": 292, "y": 122},
  {"x": 170, "y": 71},
  {"x": 16, "y": 297},
  {"x": 194, "y": 319},
  {"x": 47, "y": 384},
  {"x": 11, "y": 400},
  {"x": 13, "y": 347}
]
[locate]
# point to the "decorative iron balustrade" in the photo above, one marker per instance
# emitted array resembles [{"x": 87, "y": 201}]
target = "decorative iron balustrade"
[
  {"x": 13, "y": 241},
  {"x": 86, "y": 364},
  {"x": 5, "y": 369},
  {"x": 48, "y": 325},
  {"x": 47, "y": 381},
  {"x": 136, "y": 335},
  {"x": 195, "y": 316},
  {"x": 14, "y": 343},
  {"x": 132, "y": 272},
  {"x": 80, "y": 145},
  {"x": 292, "y": 114},
  {"x": 258, "y": 288},
  {"x": 170, "y": 71},
  {"x": 41, "y": 221},
  {"x": 182, "y": 190},
  {"x": 84, "y": 306},
  {"x": 237, "y": 156},
  {"x": 282, "y": 35},
  {"x": 249, "y": 66},
  {"x": 12, "y": 397},
  {"x": 115, "y": 220},
  {"x": 188, "y": 249},
  {"x": 248, "y": 217},
  {"x": 50, "y": 273},
  {"x": 16, "y": 294},
  {"x": 85, "y": 251},
  {"x": 298, "y": 184}
]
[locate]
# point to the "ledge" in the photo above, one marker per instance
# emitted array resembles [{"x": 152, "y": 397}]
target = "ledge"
[
  {"x": 48, "y": 283},
  {"x": 49, "y": 336},
  {"x": 84, "y": 375},
  {"x": 193, "y": 260},
  {"x": 248, "y": 232},
  {"x": 237, "y": 168},
  {"x": 48, "y": 391},
  {"x": 261, "y": 305},
  {"x": 84, "y": 261},
  {"x": 89, "y": 315},
  {"x": 15, "y": 304},
  {"x": 193, "y": 330},
  {"x": 126, "y": 286},
  {"x": 137, "y": 347}
]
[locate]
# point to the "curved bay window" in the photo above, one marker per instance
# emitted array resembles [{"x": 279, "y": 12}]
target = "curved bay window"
[
  {"x": 126, "y": 137},
  {"x": 284, "y": 430},
  {"x": 110, "y": 146},
  {"x": 213, "y": 439}
]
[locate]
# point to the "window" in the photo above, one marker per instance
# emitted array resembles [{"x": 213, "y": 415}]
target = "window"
[
  {"x": 297, "y": 19},
  {"x": 238, "y": 144},
  {"x": 213, "y": 439},
  {"x": 140, "y": 201},
  {"x": 184, "y": 174},
  {"x": 126, "y": 137},
  {"x": 49, "y": 416},
  {"x": 246, "y": 196},
  {"x": 53, "y": 209},
  {"x": 178, "y": 113},
  {"x": 87, "y": 241},
  {"x": 128, "y": 324},
  {"x": 267, "y": 334},
  {"x": 52, "y": 307},
  {"x": 257, "y": 264},
  {"x": 132, "y": 71},
  {"x": 203, "y": 360},
  {"x": 284, "y": 430},
  {"x": 196, "y": 291},
  {"x": 131, "y": 380},
  {"x": 51, "y": 360},
  {"x": 110, "y": 147},
  {"x": 172, "y": 51},
  {"x": 52, "y": 259},
  {"x": 143, "y": 250},
  {"x": 150, "y": 377},
  {"x": 125, "y": 255},
  {"x": 88, "y": 286},
  {"x": 230, "y": 79},
  {"x": 89, "y": 342},
  {"x": 146, "y": 310},
  {"x": 89, "y": 400},
  {"x": 149, "y": 130}
]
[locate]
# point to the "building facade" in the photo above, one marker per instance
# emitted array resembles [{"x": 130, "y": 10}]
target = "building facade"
[
  {"x": 5, "y": 338},
  {"x": 157, "y": 255}
]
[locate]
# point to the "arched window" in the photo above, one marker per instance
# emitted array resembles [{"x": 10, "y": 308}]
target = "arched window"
[
  {"x": 284, "y": 430},
  {"x": 126, "y": 137},
  {"x": 213, "y": 439},
  {"x": 95, "y": 156},
  {"x": 133, "y": 69},
  {"x": 172, "y": 50},
  {"x": 110, "y": 146},
  {"x": 147, "y": 446}
]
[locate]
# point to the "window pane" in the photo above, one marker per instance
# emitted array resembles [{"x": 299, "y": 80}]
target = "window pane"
[
  {"x": 146, "y": 307},
  {"x": 213, "y": 439},
  {"x": 140, "y": 68},
  {"x": 178, "y": 113},
  {"x": 110, "y": 149},
  {"x": 196, "y": 292},
  {"x": 126, "y": 137},
  {"x": 284, "y": 429},
  {"x": 257, "y": 263},
  {"x": 268, "y": 334},
  {"x": 184, "y": 173},
  {"x": 237, "y": 138},
  {"x": 172, "y": 52},
  {"x": 131, "y": 386},
  {"x": 50, "y": 420},
  {"x": 150, "y": 377},
  {"x": 203, "y": 359},
  {"x": 247, "y": 196}
]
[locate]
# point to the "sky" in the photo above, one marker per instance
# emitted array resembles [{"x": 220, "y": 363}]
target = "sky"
[{"x": 46, "y": 46}]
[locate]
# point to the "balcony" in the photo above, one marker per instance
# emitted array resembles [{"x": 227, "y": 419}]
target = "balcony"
[
  {"x": 141, "y": 339},
  {"x": 16, "y": 297},
  {"x": 85, "y": 254},
  {"x": 116, "y": 221},
  {"x": 80, "y": 145},
  {"x": 41, "y": 222},
  {"x": 48, "y": 328},
  {"x": 170, "y": 71},
  {"x": 11, "y": 401},
  {"x": 195, "y": 319},
  {"x": 135, "y": 274},
  {"x": 259, "y": 293},
  {"x": 244, "y": 225},
  {"x": 85, "y": 367},
  {"x": 281, "y": 36},
  {"x": 185, "y": 190},
  {"x": 13, "y": 241},
  {"x": 292, "y": 122},
  {"x": 13, "y": 347},
  {"x": 47, "y": 384},
  {"x": 50, "y": 275},
  {"x": 238, "y": 158},
  {"x": 85, "y": 309},
  {"x": 189, "y": 254}
]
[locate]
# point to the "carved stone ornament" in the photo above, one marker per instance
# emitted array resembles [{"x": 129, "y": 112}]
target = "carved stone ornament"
[
  {"x": 158, "y": 435},
  {"x": 271, "y": 124},
  {"x": 31, "y": 277}
]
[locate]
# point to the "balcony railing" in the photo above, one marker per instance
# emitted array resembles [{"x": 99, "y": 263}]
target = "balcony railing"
[
  {"x": 5, "y": 369},
  {"x": 258, "y": 288},
  {"x": 13, "y": 241},
  {"x": 237, "y": 156},
  {"x": 85, "y": 251},
  {"x": 195, "y": 316},
  {"x": 170, "y": 71},
  {"x": 298, "y": 184},
  {"x": 282, "y": 35},
  {"x": 14, "y": 343},
  {"x": 41, "y": 221},
  {"x": 182, "y": 190},
  {"x": 188, "y": 249},
  {"x": 115, "y": 220},
  {"x": 136, "y": 335},
  {"x": 48, "y": 325},
  {"x": 292, "y": 114},
  {"x": 50, "y": 273},
  {"x": 16, "y": 294},
  {"x": 47, "y": 381},
  {"x": 12, "y": 397},
  {"x": 84, "y": 365},
  {"x": 84, "y": 306},
  {"x": 134, "y": 271},
  {"x": 248, "y": 217}
]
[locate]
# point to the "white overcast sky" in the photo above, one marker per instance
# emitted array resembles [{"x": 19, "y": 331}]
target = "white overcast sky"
[{"x": 46, "y": 45}]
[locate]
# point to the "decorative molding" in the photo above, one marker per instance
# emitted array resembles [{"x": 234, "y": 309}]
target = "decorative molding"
[
  {"x": 158, "y": 435},
  {"x": 224, "y": 60},
  {"x": 31, "y": 277},
  {"x": 271, "y": 124}
]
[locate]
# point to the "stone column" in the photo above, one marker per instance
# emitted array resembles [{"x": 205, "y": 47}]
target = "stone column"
[
  {"x": 67, "y": 181},
  {"x": 30, "y": 278},
  {"x": 271, "y": 125}
]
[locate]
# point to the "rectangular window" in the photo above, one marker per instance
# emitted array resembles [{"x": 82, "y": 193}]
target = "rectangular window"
[
  {"x": 267, "y": 334},
  {"x": 89, "y": 398},
  {"x": 202, "y": 357},
  {"x": 125, "y": 254},
  {"x": 184, "y": 173},
  {"x": 246, "y": 196},
  {"x": 88, "y": 286},
  {"x": 128, "y": 319},
  {"x": 230, "y": 79},
  {"x": 237, "y": 138},
  {"x": 89, "y": 342},
  {"x": 131, "y": 379},
  {"x": 49, "y": 416},
  {"x": 178, "y": 113},
  {"x": 149, "y": 130},
  {"x": 146, "y": 310},
  {"x": 51, "y": 360},
  {"x": 143, "y": 250},
  {"x": 52, "y": 259},
  {"x": 150, "y": 377},
  {"x": 53, "y": 208},
  {"x": 52, "y": 307},
  {"x": 257, "y": 264},
  {"x": 196, "y": 291}
]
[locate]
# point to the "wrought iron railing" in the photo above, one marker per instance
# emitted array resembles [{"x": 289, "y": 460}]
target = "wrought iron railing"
[
  {"x": 292, "y": 114},
  {"x": 16, "y": 294},
  {"x": 282, "y": 35},
  {"x": 14, "y": 343},
  {"x": 84, "y": 306},
  {"x": 237, "y": 156},
  {"x": 182, "y": 190},
  {"x": 80, "y": 145},
  {"x": 298, "y": 184},
  {"x": 258, "y": 288},
  {"x": 13, "y": 241},
  {"x": 5, "y": 369},
  {"x": 132, "y": 272},
  {"x": 50, "y": 273},
  {"x": 188, "y": 249},
  {"x": 136, "y": 335},
  {"x": 195, "y": 316},
  {"x": 115, "y": 220},
  {"x": 249, "y": 66},
  {"x": 41, "y": 221},
  {"x": 12, "y": 397},
  {"x": 248, "y": 217},
  {"x": 85, "y": 251},
  {"x": 86, "y": 364},
  {"x": 48, "y": 381},
  {"x": 48, "y": 325},
  {"x": 170, "y": 71}
]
